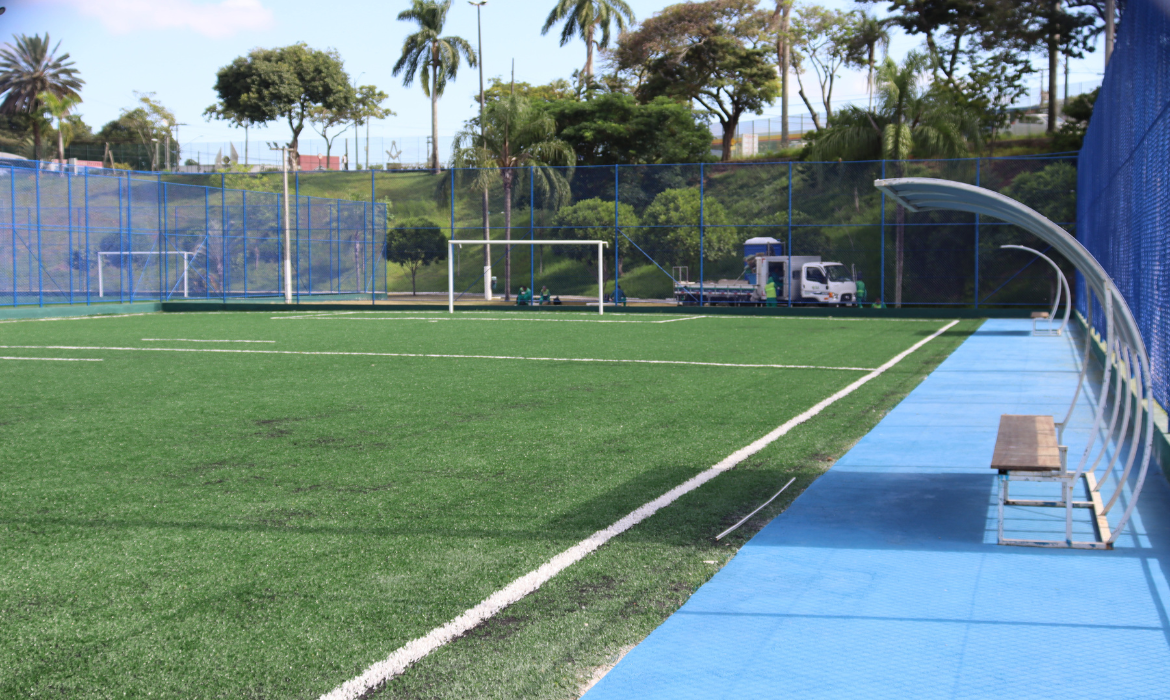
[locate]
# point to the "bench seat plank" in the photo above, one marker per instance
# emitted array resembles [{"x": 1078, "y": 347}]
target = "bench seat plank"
[{"x": 1026, "y": 443}]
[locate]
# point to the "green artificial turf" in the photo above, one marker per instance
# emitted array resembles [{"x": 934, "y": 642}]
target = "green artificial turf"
[{"x": 251, "y": 525}]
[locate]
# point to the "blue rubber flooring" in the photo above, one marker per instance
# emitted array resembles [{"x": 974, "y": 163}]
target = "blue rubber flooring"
[{"x": 883, "y": 579}]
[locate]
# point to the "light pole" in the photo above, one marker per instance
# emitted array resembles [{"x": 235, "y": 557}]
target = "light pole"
[
  {"x": 487, "y": 254},
  {"x": 272, "y": 145}
]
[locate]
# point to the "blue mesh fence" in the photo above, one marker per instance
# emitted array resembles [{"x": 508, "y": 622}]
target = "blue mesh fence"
[
  {"x": 1123, "y": 208},
  {"x": 91, "y": 236},
  {"x": 675, "y": 233}
]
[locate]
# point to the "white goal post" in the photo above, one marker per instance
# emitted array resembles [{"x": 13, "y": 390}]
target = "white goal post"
[
  {"x": 487, "y": 271},
  {"x": 188, "y": 256}
]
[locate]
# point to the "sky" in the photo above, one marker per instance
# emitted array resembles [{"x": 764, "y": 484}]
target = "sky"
[{"x": 174, "y": 47}]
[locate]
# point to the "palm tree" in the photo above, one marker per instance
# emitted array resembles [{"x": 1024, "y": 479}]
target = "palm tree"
[
  {"x": 517, "y": 141},
  {"x": 59, "y": 108},
  {"x": 433, "y": 58},
  {"x": 869, "y": 33},
  {"x": 584, "y": 18},
  {"x": 29, "y": 69},
  {"x": 910, "y": 121}
]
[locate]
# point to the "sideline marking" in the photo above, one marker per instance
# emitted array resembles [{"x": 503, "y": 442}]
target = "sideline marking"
[
  {"x": 55, "y": 359},
  {"x": 78, "y": 318},
  {"x": 398, "y": 661},
  {"x": 456, "y": 357},
  {"x": 193, "y": 340},
  {"x": 339, "y": 317}
]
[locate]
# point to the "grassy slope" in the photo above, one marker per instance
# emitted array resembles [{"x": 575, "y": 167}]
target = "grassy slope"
[{"x": 208, "y": 525}]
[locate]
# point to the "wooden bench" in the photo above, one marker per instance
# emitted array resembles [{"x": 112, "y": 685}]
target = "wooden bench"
[{"x": 1027, "y": 449}]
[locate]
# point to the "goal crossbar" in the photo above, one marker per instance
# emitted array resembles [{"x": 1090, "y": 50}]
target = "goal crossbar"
[{"x": 487, "y": 270}]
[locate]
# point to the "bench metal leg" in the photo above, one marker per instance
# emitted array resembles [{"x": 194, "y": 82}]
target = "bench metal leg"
[{"x": 1003, "y": 482}]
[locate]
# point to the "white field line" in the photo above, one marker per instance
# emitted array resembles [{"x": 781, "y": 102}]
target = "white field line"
[
  {"x": 78, "y": 318},
  {"x": 449, "y": 318},
  {"x": 414, "y": 354},
  {"x": 401, "y": 659},
  {"x": 55, "y": 359},
  {"x": 684, "y": 318},
  {"x": 193, "y": 340}
]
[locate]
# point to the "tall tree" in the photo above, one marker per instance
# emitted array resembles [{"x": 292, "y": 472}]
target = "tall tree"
[
  {"x": 59, "y": 109},
  {"x": 782, "y": 25},
  {"x": 584, "y": 18},
  {"x": 715, "y": 53},
  {"x": 821, "y": 39},
  {"x": 284, "y": 83},
  {"x": 433, "y": 58},
  {"x": 909, "y": 121},
  {"x": 29, "y": 69},
  {"x": 518, "y": 141},
  {"x": 869, "y": 34}
]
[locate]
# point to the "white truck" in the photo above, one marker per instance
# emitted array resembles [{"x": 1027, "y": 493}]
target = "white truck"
[{"x": 811, "y": 281}]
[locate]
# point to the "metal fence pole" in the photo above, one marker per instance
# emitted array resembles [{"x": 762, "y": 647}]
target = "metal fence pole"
[
  {"x": 297, "y": 244},
  {"x": 788, "y": 270},
  {"x": 164, "y": 272},
  {"x": 12, "y": 187},
  {"x": 883, "y": 240},
  {"x": 206, "y": 241},
  {"x": 223, "y": 225},
  {"x": 701, "y": 222},
  {"x": 616, "y": 232},
  {"x": 85, "y": 175},
  {"x": 129, "y": 235},
  {"x": 69, "y": 233},
  {"x": 531, "y": 230},
  {"x": 309, "y": 217},
  {"x": 40, "y": 261},
  {"x": 375, "y": 254},
  {"x": 977, "y": 162},
  {"x": 244, "y": 212}
]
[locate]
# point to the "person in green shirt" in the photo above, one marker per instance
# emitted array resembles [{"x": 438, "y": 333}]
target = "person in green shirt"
[
  {"x": 544, "y": 296},
  {"x": 877, "y": 304},
  {"x": 860, "y": 291},
  {"x": 770, "y": 291}
]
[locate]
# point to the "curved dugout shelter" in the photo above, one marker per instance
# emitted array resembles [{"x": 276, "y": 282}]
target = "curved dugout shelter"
[{"x": 1029, "y": 448}]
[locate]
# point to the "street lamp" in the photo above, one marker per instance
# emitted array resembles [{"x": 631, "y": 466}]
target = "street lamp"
[
  {"x": 272, "y": 145},
  {"x": 487, "y": 259}
]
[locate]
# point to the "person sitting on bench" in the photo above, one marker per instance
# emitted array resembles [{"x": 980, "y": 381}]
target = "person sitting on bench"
[
  {"x": 522, "y": 298},
  {"x": 544, "y": 295}
]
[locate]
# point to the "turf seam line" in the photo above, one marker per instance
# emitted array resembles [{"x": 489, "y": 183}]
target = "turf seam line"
[
  {"x": 747, "y": 517},
  {"x": 195, "y": 340},
  {"x": 56, "y": 359},
  {"x": 684, "y": 318},
  {"x": 457, "y": 357},
  {"x": 378, "y": 673}
]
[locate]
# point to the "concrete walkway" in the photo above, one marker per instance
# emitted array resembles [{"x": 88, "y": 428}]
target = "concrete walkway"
[{"x": 883, "y": 579}]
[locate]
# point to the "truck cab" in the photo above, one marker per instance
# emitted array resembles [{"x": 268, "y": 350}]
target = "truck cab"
[{"x": 827, "y": 283}]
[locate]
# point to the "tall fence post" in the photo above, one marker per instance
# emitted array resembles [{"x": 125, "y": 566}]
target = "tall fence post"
[
  {"x": 616, "y": 233},
  {"x": 296, "y": 274},
  {"x": 128, "y": 235},
  {"x": 85, "y": 175},
  {"x": 977, "y": 163},
  {"x": 69, "y": 214},
  {"x": 223, "y": 232},
  {"x": 702, "y": 177},
  {"x": 883, "y": 240},
  {"x": 309, "y": 229},
  {"x": 244, "y": 213},
  {"x": 531, "y": 230},
  {"x": 206, "y": 241},
  {"x": 40, "y": 260},
  {"x": 788, "y": 269},
  {"x": 375, "y": 254},
  {"x": 12, "y": 188},
  {"x": 164, "y": 272}
]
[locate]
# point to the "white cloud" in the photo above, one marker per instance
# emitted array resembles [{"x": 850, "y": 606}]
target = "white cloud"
[{"x": 214, "y": 20}]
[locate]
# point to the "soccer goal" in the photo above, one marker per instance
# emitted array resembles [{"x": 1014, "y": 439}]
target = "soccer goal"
[
  {"x": 487, "y": 270},
  {"x": 188, "y": 256}
]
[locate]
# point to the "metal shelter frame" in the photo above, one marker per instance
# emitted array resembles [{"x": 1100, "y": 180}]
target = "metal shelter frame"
[
  {"x": 1126, "y": 372},
  {"x": 1061, "y": 288}
]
